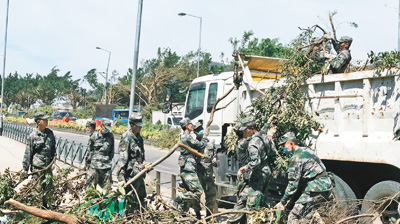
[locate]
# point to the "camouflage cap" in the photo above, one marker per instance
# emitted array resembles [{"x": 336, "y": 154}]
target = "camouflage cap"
[
  {"x": 41, "y": 116},
  {"x": 197, "y": 125},
  {"x": 185, "y": 121},
  {"x": 136, "y": 119},
  {"x": 106, "y": 122},
  {"x": 286, "y": 137},
  {"x": 346, "y": 39},
  {"x": 245, "y": 123},
  {"x": 90, "y": 123}
]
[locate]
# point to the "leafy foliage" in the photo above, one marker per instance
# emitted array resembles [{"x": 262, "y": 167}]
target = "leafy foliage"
[
  {"x": 285, "y": 101},
  {"x": 385, "y": 60},
  {"x": 263, "y": 47}
]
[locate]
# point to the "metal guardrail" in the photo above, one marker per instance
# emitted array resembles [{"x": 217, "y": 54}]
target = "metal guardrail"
[{"x": 74, "y": 154}]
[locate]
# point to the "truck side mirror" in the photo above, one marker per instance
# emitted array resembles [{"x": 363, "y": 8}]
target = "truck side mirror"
[{"x": 166, "y": 108}]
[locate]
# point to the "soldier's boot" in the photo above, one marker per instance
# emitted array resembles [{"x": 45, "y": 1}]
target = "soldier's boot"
[{"x": 198, "y": 215}]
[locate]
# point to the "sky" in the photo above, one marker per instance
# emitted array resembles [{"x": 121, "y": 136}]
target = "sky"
[{"x": 43, "y": 34}]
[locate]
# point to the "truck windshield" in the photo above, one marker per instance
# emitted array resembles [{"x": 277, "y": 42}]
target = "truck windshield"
[{"x": 195, "y": 101}]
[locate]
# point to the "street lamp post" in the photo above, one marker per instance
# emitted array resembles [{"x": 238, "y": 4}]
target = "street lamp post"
[
  {"x": 108, "y": 64},
  {"x": 4, "y": 71},
  {"x": 198, "y": 50}
]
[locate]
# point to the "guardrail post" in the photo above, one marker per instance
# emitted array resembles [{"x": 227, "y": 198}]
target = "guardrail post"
[
  {"x": 158, "y": 187},
  {"x": 173, "y": 186}
]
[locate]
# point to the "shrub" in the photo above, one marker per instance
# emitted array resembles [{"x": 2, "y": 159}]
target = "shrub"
[{"x": 47, "y": 109}]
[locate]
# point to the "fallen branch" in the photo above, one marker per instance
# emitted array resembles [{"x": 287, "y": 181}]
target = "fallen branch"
[
  {"x": 220, "y": 108},
  {"x": 47, "y": 167},
  {"x": 207, "y": 129},
  {"x": 194, "y": 152},
  {"x": 9, "y": 212},
  {"x": 226, "y": 212},
  {"x": 48, "y": 215},
  {"x": 151, "y": 165},
  {"x": 354, "y": 217}
]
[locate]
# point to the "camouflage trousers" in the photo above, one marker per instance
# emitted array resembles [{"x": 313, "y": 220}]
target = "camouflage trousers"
[
  {"x": 304, "y": 206},
  {"x": 41, "y": 186},
  {"x": 192, "y": 185},
  {"x": 206, "y": 177},
  {"x": 249, "y": 196},
  {"x": 102, "y": 177},
  {"x": 140, "y": 188}
]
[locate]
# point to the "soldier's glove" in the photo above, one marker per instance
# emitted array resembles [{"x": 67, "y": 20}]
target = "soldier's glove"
[
  {"x": 327, "y": 36},
  {"x": 279, "y": 206}
]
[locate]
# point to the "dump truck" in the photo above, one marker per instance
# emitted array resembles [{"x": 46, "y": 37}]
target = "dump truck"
[{"x": 359, "y": 112}]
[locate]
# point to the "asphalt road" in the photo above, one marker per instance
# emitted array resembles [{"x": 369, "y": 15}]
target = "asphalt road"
[{"x": 167, "y": 167}]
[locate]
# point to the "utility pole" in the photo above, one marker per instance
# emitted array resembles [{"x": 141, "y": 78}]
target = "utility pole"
[
  {"x": 398, "y": 34},
  {"x": 4, "y": 71},
  {"x": 135, "y": 57}
]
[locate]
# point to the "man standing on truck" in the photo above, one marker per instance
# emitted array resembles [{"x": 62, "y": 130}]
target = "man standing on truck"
[
  {"x": 40, "y": 152},
  {"x": 205, "y": 171},
  {"x": 188, "y": 170},
  {"x": 131, "y": 159},
  {"x": 255, "y": 174},
  {"x": 101, "y": 153},
  {"x": 307, "y": 176},
  {"x": 339, "y": 63}
]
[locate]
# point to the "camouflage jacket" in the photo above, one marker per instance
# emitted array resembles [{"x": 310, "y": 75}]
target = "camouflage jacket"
[
  {"x": 306, "y": 173},
  {"x": 261, "y": 152},
  {"x": 340, "y": 62},
  {"x": 141, "y": 145},
  {"x": 101, "y": 150},
  {"x": 40, "y": 150},
  {"x": 241, "y": 151},
  {"x": 131, "y": 154},
  {"x": 187, "y": 161},
  {"x": 209, "y": 153}
]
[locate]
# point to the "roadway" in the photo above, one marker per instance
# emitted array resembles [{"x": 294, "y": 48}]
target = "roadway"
[{"x": 170, "y": 165}]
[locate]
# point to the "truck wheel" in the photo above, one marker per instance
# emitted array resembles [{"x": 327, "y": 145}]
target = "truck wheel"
[
  {"x": 342, "y": 191},
  {"x": 344, "y": 194},
  {"x": 381, "y": 190}
]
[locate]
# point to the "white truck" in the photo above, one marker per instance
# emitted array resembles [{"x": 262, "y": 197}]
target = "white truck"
[{"x": 359, "y": 111}]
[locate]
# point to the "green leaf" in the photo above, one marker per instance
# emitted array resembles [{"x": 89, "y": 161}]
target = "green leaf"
[
  {"x": 278, "y": 214},
  {"x": 122, "y": 190}
]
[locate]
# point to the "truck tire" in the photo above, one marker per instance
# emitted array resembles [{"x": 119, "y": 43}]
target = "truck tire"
[
  {"x": 344, "y": 195},
  {"x": 342, "y": 191},
  {"x": 384, "y": 189}
]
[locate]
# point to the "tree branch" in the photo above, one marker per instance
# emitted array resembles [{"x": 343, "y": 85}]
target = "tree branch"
[
  {"x": 207, "y": 130},
  {"x": 49, "y": 215},
  {"x": 220, "y": 108},
  {"x": 47, "y": 167},
  {"x": 333, "y": 27}
]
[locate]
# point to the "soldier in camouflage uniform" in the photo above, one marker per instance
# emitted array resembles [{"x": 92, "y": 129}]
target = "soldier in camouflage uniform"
[
  {"x": 101, "y": 153},
  {"x": 339, "y": 63},
  {"x": 205, "y": 171},
  {"x": 188, "y": 169},
  {"x": 131, "y": 158},
  {"x": 255, "y": 171},
  {"x": 307, "y": 176},
  {"x": 90, "y": 127},
  {"x": 40, "y": 151}
]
